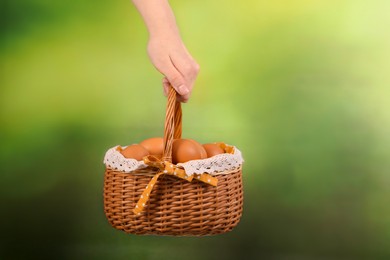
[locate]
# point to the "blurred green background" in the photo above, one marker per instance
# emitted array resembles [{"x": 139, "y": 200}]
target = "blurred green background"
[{"x": 301, "y": 87}]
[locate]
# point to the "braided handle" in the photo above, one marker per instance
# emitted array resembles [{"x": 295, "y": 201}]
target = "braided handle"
[{"x": 173, "y": 124}]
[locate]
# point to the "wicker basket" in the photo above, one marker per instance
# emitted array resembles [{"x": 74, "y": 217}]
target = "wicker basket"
[{"x": 176, "y": 206}]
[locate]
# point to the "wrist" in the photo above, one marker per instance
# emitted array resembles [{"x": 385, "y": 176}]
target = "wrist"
[
  {"x": 171, "y": 36},
  {"x": 168, "y": 30}
]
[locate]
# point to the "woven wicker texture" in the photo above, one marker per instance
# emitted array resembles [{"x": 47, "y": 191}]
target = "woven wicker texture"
[{"x": 176, "y": 207}]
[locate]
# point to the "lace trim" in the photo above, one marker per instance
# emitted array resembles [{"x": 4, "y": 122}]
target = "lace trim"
[
  {"x": 215, "y": 165},
  {"x": 115, "y": 160}
]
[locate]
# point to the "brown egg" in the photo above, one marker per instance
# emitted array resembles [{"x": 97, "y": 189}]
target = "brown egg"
[
  {"x": 135, "y": 151},
  {"x": 203, "y": 153},
  {"x": 213, "y": 149},
  {"x": 184, "y": 150},
  {"x": 154, "y": 145}
]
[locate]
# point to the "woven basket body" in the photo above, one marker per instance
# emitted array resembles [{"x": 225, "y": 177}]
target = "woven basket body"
[{"x": 175, "y": 207}]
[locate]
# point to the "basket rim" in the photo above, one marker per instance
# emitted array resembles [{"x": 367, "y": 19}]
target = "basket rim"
[{"x": 151, "y": 171}]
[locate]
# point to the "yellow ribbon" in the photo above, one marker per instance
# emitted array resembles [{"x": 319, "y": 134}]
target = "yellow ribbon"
[{"x": 169, "y": 168}]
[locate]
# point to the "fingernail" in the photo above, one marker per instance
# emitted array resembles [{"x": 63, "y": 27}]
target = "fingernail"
[{"x": 182, "y": 90}]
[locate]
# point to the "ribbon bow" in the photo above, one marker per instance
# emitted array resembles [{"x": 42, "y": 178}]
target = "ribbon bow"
[{"x": 166, "y": 167}]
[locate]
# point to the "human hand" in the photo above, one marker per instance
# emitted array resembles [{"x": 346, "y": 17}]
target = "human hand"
[
  {"x": 170, "y": 56},
  {"x": 166, "y": 49}
]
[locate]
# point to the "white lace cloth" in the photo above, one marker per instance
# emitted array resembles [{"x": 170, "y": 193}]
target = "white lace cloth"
[{"x": 213, "y": 165}]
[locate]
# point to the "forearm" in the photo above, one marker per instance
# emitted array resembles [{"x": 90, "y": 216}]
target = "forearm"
[{"x": 158, "y": 17}]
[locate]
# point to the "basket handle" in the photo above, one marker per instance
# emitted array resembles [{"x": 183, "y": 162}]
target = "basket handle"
[{"x": 173, "y": 124}]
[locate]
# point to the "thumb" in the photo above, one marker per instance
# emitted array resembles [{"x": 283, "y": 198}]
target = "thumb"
[{"x": 176, "y": 80}]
